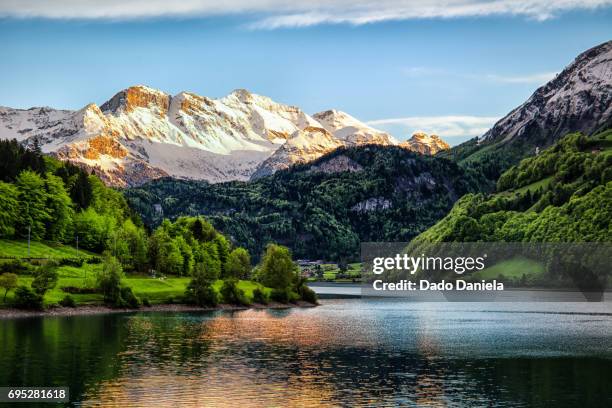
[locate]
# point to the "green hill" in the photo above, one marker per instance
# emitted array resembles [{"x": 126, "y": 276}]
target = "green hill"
[{"x": 564, "y": 194}]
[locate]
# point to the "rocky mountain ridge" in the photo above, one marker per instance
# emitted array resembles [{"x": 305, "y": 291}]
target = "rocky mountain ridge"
[{"x": 142, "y": 134}]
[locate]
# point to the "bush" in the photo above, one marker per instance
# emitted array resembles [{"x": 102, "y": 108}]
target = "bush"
[
  {"x": 75, "y": 290},
  {"x": 200, "y": 290},
  {"x": 260, "y": 296},
  {"x": 108, "y": 281},
  {"x": 128, "y": 299},
  {"x": 280, "y": 295},
  {"x": 67, "y": 301},
  {"x": 76, "y": 262},
  {"x": 8, "y": 281},
  {"x": 202, "y": 295},
  {"x": 26, "y": 298},
  {"x": 94, "y": 260},
  {"x": 307, "y": 294},
  {"x": 45, "y": 278},
  {"x": 16, "y": 266},
  {"x": 145, "y": 302},
  {"x": 232, "y": 294}
]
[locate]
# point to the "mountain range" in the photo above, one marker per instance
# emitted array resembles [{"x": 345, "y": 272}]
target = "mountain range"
[{"x": 141, "y": 134}]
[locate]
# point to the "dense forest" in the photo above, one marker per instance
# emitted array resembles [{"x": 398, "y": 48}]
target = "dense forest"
[
  {"x": 324, "y": 209},
  {"x": 563, "y": 194}
]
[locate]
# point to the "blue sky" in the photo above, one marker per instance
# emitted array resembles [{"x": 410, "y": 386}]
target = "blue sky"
[{"x": 449, "y": 74}]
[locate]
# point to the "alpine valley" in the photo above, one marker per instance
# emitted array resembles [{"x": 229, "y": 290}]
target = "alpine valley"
[{"x": 141, "y": 134}]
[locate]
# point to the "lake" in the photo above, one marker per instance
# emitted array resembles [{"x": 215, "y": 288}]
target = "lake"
[{"x": 347, "y": 352}]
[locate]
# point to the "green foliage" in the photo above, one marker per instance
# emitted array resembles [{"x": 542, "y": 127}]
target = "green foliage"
[
  {"x": 277, "y": 269},
  {"x": 559, "y": 195},
  {"x": 33, "y": 214},
  {"x": 59, "y": 208},
  {"x": 47, "y": 199},
  {"x": 199, "y": 290},
  {"x": 280, "y": 295},
  {"x": 9, "y": 209},
  {"x": 260, "y": 296},
  {"x": 26, "y": 298},
  {"x": 67, "y": 301},
  {"x": 238, "y": 264},
  {"x": 232, "y": 294},
  {"x": 319, "y": 215},
  {"x": 128, "y": 299},
  {"x": 307, "y": 294},
  {"x": 45, "y": 278},
  {"x": 14, "y": 158},
  {"x": 108, "y": 280},
  {"x": 8, "y": 281},
  {"x": 16, "y": 266}
]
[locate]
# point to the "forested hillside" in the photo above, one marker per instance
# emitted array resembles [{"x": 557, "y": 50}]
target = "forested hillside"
[
  {"x": 322, "y": 210},
  {"x": 57, "y": 201},
  {"x": 564, "y": 194}
]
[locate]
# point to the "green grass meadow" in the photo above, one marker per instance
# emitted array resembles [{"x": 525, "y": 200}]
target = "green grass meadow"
[{"x": 156, "y": 290}]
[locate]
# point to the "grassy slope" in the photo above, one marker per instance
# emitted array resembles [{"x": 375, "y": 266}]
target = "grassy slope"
[
  {"x": 19, "y": 249},
  {"x": 514, "y": 269},
  {"x": 156, "y": 290}
]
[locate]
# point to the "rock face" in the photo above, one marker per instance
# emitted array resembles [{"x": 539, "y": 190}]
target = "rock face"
[
  {"x": 425, "y": 144},
  {"x": 577, "y": 99},
  {"x": 141, "y": 134}
]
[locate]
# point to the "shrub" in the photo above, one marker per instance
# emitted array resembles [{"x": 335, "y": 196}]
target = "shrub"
[
  {"x": 260, "y": 296},
  {"x": 307, "y": 294},
  {"x": 145, "y": 302},
  {"x": 45, "y": 279},
  {"x": 76, "y": 262},
  {"x": 232, "y": 294},
  {"x": 200, "y": 290},
  {"x": 280, "y": 295},
  {"x": 67, "y": 301},
  {"x": 94, "y": 260},
  {"x": 202, "y": 296},
  {"x": 26, "y": 298},
  {"x": 16, "y": 266},
  {"x": 108, "y": 280},
  {"x": 128, "y": 299},
  {"x": 75, "y": 290},
  {"x": 8, "y": 281}
]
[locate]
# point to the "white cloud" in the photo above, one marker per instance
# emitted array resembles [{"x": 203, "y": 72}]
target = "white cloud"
[
  {"x": 535, "y": 78},
  {"x": 448, "y": 127},
  {"x": 538, "y": 78},
  {"x": 298, "y": 13}
]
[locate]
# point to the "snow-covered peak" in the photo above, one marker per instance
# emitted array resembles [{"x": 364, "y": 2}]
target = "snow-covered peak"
[
  {"x": 142, "y": 133},
  {"x": 577, "y": 99},
  {"x": 138, "y": 96},
  {"x": 423, "y": 143},
  {"x": 351, "y": 130}
]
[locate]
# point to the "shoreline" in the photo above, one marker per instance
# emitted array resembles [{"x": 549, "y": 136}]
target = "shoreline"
[{"x": 11, "y": 313}]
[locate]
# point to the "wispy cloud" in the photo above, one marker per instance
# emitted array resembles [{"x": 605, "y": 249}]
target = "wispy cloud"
[
  {"x": 533, "y": 78},
  {"x": 538, "y": 78},
  {"x": 299, "y": 13},
  {"x": 447, "y": 127}
]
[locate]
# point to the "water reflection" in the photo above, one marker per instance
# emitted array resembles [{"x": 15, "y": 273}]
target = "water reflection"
[{"x": 349, "y": 353}]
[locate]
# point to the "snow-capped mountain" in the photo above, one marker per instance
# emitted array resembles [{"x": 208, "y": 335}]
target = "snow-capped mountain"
[
  {"x": 335, "y": 129},
  {"x": 577, "y": 99},
  {"x": 425, "y": 144},
  {"x": 141, "y": 134}
]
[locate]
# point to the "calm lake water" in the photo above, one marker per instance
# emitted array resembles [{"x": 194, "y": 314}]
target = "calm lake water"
[{"x": 349, "y": 352}]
